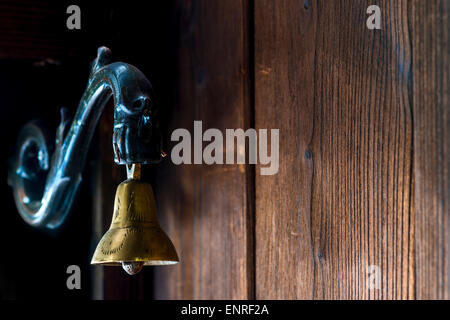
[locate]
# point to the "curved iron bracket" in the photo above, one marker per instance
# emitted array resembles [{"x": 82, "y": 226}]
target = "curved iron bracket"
[{"x": 45, "y": 183}]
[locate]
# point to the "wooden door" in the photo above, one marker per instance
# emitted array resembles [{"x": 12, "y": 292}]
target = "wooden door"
[{"x": 362, "y": 191}]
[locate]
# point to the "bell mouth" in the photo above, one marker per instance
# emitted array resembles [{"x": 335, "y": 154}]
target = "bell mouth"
[
  {"x": 126, "y": 246},
  {"x": 146, "y": 263},
  {"x": 134, "y": 267}
]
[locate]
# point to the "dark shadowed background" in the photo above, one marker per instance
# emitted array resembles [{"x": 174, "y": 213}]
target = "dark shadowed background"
[{"x": 44, "y": 66}]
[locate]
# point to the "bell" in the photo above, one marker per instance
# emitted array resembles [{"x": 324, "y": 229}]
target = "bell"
[{"x": 134, "y": 238}]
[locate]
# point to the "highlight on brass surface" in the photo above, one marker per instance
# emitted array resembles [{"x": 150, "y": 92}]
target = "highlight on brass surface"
[{"x": 134, "y": 238}]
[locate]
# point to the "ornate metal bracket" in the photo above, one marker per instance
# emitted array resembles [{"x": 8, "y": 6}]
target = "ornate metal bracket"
[{"x": 45, "y": 185}]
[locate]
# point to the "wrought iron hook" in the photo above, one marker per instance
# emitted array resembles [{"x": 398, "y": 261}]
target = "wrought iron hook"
[{"x": 45, "y": 184}]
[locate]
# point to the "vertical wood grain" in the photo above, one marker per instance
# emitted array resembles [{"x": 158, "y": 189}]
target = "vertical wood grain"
[
  {"x": 206, "y": 210},
  {"x": 341, "y": 202},
  {"x": 430, "y": 25}
]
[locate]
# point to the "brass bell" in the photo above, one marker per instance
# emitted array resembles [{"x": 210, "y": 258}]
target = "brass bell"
[{"x": 134, "y": 238}]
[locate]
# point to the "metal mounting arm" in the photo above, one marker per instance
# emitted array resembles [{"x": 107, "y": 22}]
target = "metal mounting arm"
[{"x": 45, "y": 185}]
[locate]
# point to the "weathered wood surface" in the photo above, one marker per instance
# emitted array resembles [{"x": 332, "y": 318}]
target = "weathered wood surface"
[
  {"x": 342, "y": 200},
  {"x": 207, "y": 210},
  {"x": 430, "y": 33}
]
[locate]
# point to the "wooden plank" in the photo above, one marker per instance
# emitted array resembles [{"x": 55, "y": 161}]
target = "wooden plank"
[
  {"x": 430, "y": 25},
  {"x": 206, "y": 210},
  {"x": 117, "y": 23},
  {"x": 341, "y": 200}
]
